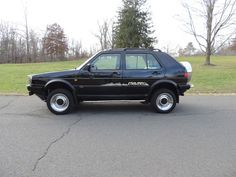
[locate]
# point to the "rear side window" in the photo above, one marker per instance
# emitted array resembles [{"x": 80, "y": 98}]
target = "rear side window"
[
  {"x": 135, "y": 61},
  {"x": 141, "y": 61},
  {"x": 167, "y": 60},
  {"x": 152, "y": 62}
]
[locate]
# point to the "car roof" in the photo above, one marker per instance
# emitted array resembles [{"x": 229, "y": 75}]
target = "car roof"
[{"x": 133, "y": 49}]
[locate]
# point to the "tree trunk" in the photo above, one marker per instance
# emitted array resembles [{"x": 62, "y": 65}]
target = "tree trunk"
[
  {"x": 28, "y": 58},
  {"x": 210, "y": 8},
  {"x": 208, "y": 59},
  {"x": 27, "y": 42},
  {"x": 208, "y": 54}
]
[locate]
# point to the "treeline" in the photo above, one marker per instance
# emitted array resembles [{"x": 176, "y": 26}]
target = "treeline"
[
  {"x": 18, "y": 45},
  {"x": 132, "y": 28},
  {"x": 227, "y": 49}
]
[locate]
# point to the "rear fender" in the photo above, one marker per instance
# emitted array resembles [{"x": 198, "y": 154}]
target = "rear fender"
[{"x": 167, "y": 84}]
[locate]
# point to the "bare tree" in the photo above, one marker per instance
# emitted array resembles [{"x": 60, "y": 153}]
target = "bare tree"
[
  {"x": 104, "y": 34},
  {"x": 28, "y": 57},
  {"x": 4, "y": 42},
  {"x": 9, "y": 43},
  {"x": 34, "y": 45},
  {"x": 218, "y": 17},
  {"x": 75, "y": 49},
  {"x": 54, "y": 44},
  {"x": 233, "y": 45}
]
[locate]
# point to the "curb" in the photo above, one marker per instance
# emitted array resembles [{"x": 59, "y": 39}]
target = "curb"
[
  {"x": 13, "y": 94},
  {"x": 210, "y": 94}
]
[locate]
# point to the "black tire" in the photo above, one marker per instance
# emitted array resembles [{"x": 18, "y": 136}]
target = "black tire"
[
  {"x": 163, "y": 101},
  {"x": 60, "y": 101}
]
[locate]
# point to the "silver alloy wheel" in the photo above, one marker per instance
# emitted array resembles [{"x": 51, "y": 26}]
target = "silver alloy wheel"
[
  {"x": 164, "y": 101},
  {"x": 59, "y": 102}
]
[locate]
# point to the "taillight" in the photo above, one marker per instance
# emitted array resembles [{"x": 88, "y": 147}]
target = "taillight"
[{"x": 186, "y": 75}]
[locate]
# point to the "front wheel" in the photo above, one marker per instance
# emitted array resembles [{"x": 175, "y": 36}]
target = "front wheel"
[
  {"x": 163, "y": 101},
  {"x": 60, "y": 101}
]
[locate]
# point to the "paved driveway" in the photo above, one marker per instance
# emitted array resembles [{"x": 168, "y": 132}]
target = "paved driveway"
[{"x": 118, "y": 139}]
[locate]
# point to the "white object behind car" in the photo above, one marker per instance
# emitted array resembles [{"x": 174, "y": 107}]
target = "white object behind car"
[{"x": 188, "y": 67}]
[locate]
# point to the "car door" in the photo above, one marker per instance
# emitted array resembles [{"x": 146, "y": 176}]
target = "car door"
[
  {"x": 103, "y": 77},
  {"x": 141, "y": 70}
]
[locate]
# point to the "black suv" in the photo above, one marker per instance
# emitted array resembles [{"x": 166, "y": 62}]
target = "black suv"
[{"x": 116, "y": 74}]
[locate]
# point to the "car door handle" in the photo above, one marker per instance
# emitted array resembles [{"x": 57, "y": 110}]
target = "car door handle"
[
  {"x": 116, "y": 73},
  {"x": 156, "y": 72}
]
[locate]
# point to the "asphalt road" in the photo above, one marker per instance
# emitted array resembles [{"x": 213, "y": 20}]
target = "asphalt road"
[{"x": 118, "y": 139}]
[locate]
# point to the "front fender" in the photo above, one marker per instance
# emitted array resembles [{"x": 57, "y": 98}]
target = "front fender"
[
  {"x": 64, "y": 82},
  {"x": 59, "y": 81}
]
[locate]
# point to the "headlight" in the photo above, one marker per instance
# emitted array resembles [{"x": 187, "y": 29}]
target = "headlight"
[{"x": 29, "y": 79}]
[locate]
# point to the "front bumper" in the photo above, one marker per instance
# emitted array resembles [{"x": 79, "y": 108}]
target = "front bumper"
[
  {"x": 29, "y": 88},
  {"x": 37, "y": 90}
]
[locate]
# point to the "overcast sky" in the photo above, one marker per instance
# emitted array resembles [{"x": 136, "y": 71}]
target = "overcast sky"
[{"x": 79, "y": 18}]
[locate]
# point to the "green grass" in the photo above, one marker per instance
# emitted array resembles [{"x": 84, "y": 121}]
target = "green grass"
[
  {"x": 13, "y": 77},
  {"x": 213, "y": 79},
  {"x": 206, "y": 79}
]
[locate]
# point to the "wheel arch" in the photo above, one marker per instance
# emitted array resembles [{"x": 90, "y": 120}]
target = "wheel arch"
[
  {"x": 164, "y": 84},
  {"x": 60, "y": 84}
]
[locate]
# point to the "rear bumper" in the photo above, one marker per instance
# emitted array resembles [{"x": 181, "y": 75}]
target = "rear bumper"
[{"x": 184, "y": 88}]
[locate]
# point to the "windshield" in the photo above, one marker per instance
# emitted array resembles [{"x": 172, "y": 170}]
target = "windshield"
[{"x": 83, "y": 64}]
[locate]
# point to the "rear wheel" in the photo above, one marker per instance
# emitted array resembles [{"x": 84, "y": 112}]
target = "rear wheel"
[
  {"x": 60, "y": 101},
  {"x": 163, "y": 101}
]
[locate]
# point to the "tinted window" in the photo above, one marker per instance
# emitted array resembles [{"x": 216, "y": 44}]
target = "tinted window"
[
  {"x": 167, "y": 60},
  {"x": 141, "y": 61},
  {"x": 135, "y": 61},
  {"x": 152, "y": 62},
  {"x": 107, "y": 61}
]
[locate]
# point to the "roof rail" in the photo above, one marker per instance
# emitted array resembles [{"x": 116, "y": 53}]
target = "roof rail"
[
  {"x": 159, "y": 50},
  {"x": 117, "y": 49},
  {"x": 152, "y": 49},
  {"x": 136, "y": 49},
  {"x": 127, "y": 48}
]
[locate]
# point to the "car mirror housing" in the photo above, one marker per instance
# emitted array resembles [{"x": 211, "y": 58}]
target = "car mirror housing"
[
  {"x": 88, "y": 67},
  {"x": 91, "y": 67}
]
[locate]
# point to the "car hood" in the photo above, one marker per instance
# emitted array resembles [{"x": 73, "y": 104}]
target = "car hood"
[{"x": 59, "y": 74}]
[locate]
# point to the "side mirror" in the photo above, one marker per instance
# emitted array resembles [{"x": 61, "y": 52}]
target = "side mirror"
[{"x": 91, "y": 67}]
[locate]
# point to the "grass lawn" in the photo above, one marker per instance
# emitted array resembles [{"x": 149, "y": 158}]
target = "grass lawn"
[
  {"x": 13, "y": 77},
  {"x": 213, "y": 79},
  {"x": 206, "y": 79}
]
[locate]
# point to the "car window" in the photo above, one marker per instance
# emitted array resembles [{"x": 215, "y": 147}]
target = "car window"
[
  {"x": 141, "y": 61},
  {"x": 152, "y": 62},
  {"x": 107, "y": 61},
  {"x": 135, "y": 61}
]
